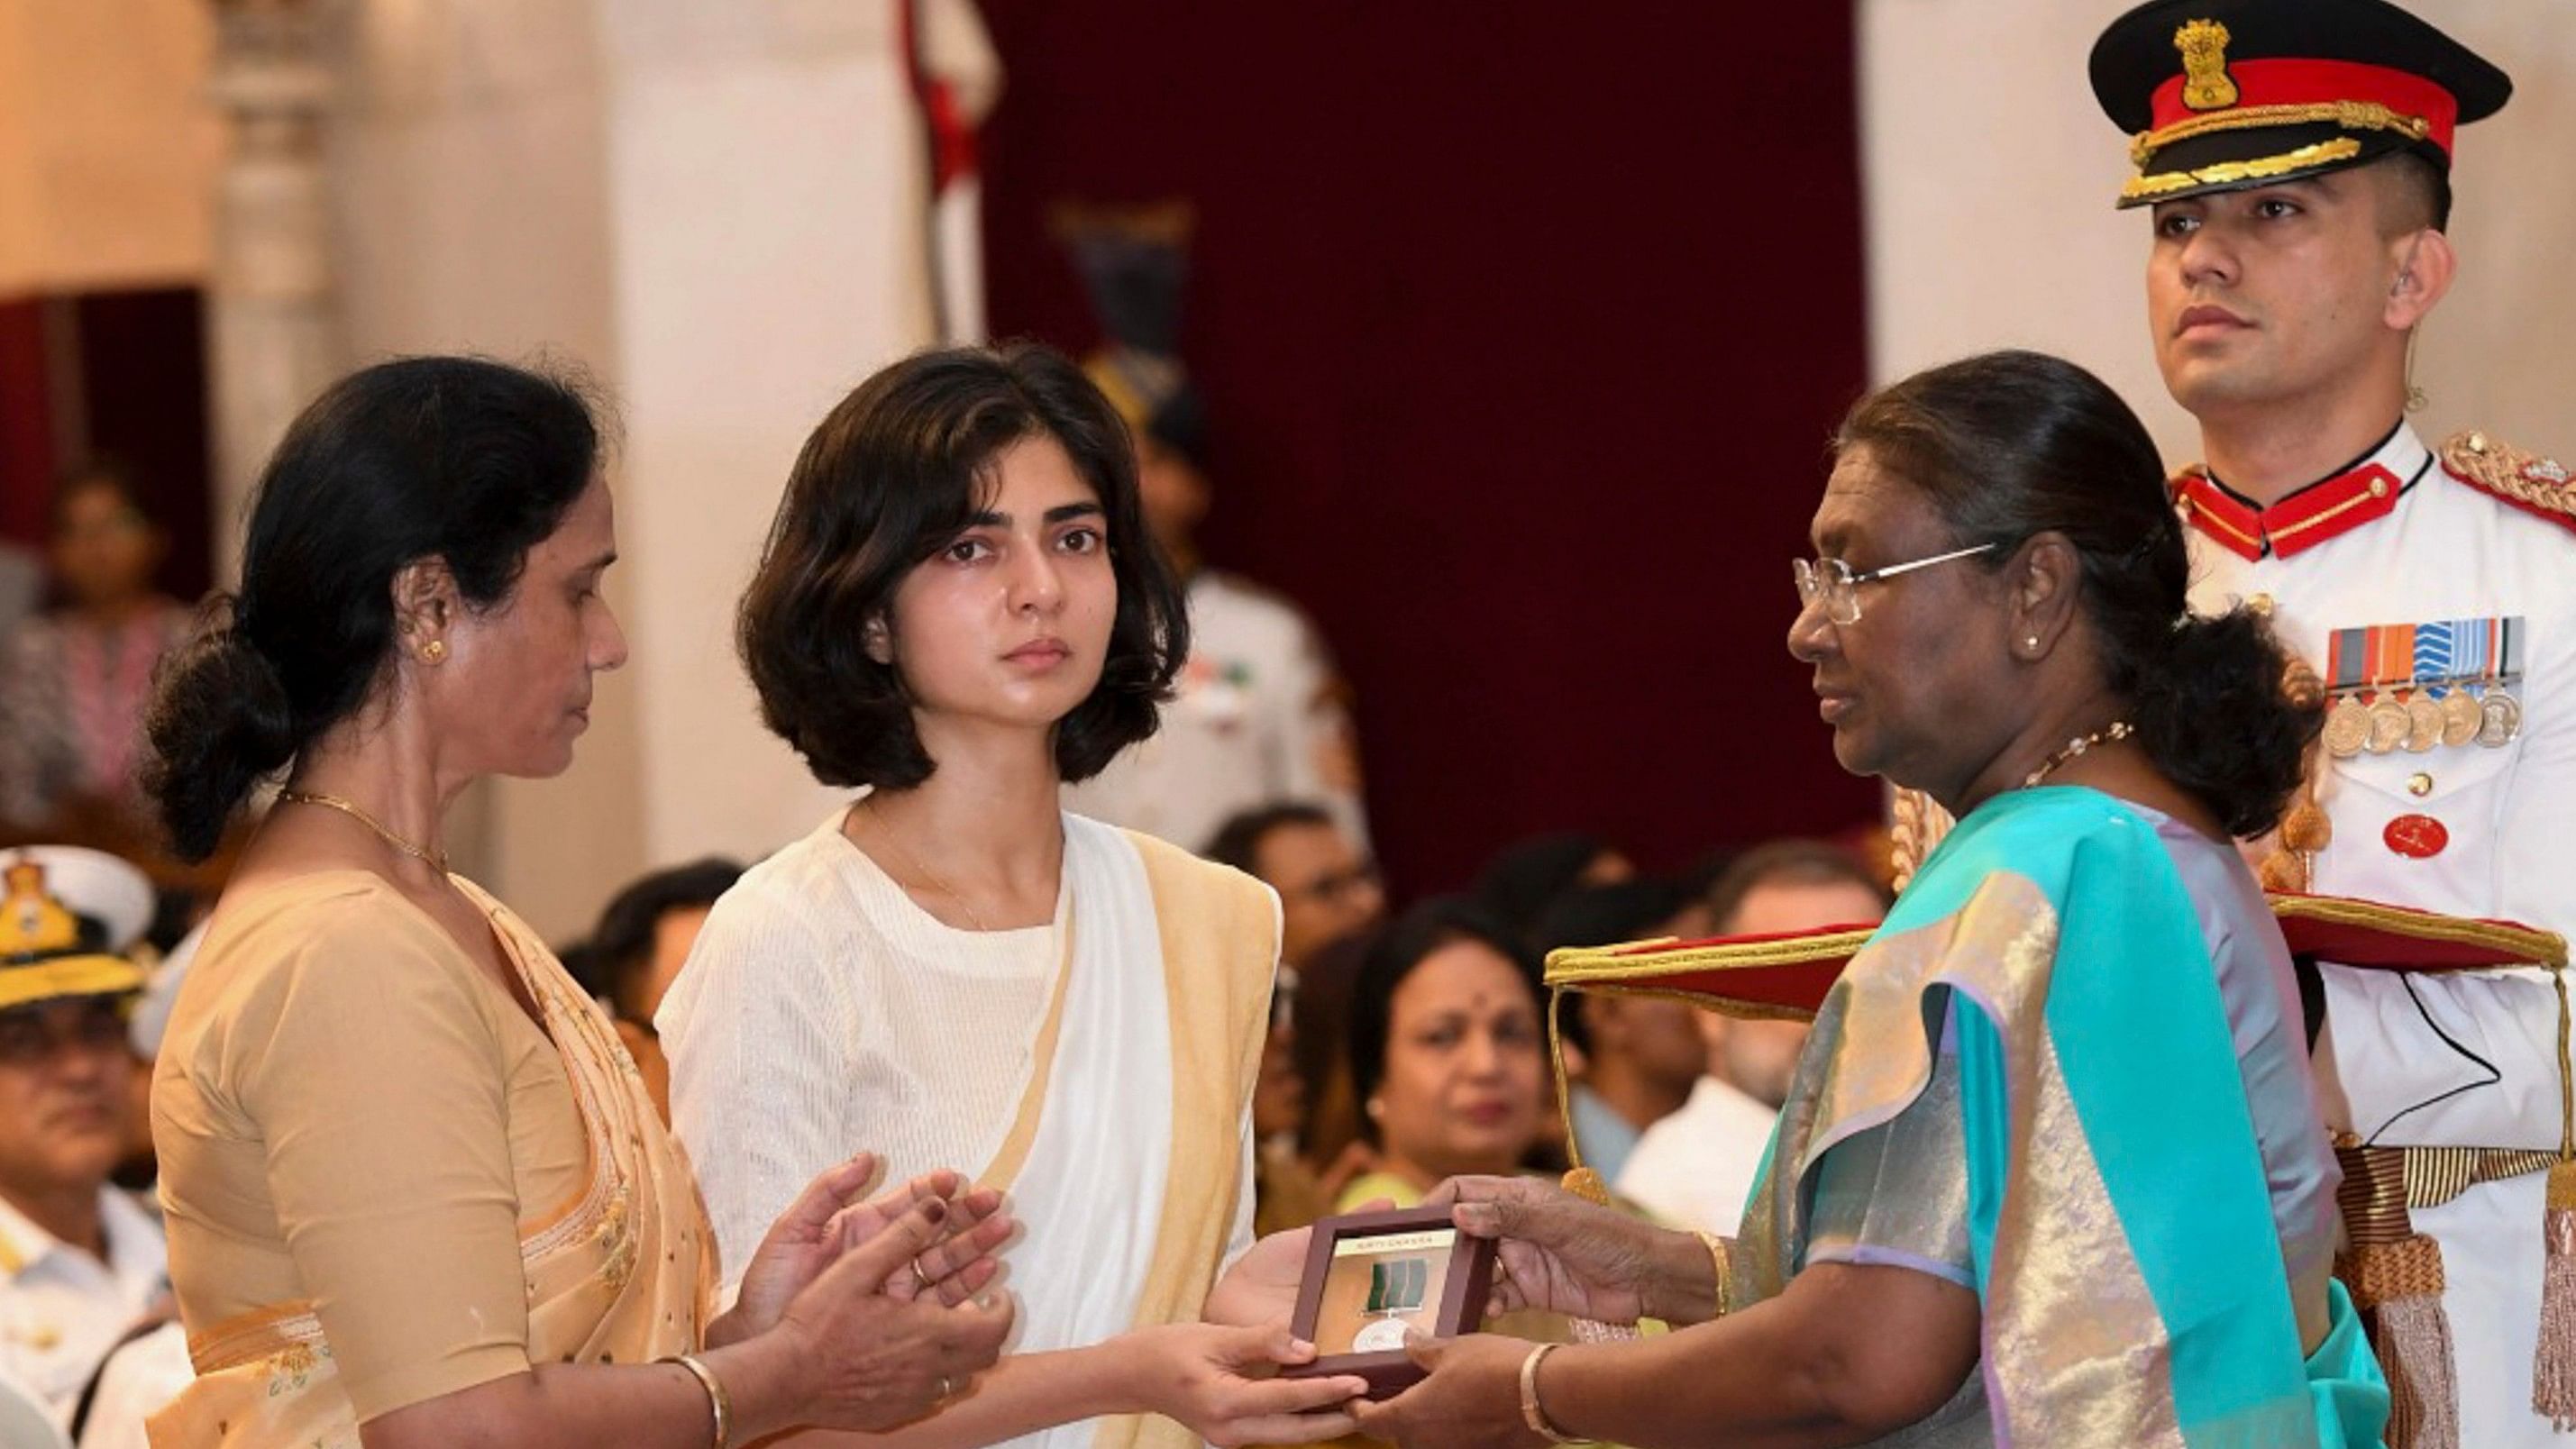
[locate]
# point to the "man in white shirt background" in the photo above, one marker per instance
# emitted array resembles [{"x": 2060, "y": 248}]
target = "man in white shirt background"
[
  {"x": 80, "y": 1261},
  {"x": 1694, "y": 1166}
]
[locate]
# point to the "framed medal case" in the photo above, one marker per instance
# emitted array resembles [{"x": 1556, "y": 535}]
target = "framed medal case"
[{"x": 1372, "y": 1276}]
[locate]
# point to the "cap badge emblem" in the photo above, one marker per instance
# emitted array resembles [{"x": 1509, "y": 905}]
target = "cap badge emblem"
[{"x": 2206, "y": 85}]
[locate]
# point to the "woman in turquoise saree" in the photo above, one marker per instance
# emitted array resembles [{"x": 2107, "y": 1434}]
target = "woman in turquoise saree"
[{"x": 2051, "y": 1171}]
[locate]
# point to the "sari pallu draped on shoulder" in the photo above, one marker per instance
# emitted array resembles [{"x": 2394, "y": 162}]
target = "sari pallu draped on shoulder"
[
  {"x": 2119, "y": 1228},
  {"x": 620, "y": 1273}
]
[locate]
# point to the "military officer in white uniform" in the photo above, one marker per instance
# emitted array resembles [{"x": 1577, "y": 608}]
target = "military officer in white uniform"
[
  {"x": 80, "y": 1261},
  {"x": 1260, "y": 716},
  {"x": 2296, "y": 156}
]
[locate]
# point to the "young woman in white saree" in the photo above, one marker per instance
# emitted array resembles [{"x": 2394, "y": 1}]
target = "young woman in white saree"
[{"x": 958, "y": 612}]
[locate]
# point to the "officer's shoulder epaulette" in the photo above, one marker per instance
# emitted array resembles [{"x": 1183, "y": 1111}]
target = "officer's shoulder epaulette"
[{"x": 2526, "y": 481}]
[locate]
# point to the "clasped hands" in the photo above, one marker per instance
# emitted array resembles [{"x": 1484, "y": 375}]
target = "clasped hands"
[
  {"x": 883, "y": 1296},
  {"x": 891, "y": 1289}
]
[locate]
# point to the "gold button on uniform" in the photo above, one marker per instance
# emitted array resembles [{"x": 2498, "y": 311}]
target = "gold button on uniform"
[{"x": 2419, "y": 784}]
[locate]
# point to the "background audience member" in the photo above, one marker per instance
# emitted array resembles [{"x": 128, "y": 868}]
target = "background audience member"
[
  {"x": 1522, "y": 880},
  {"x": 1793, "y": 885},
  {"x": 78, "y": 677},
  {"x": 1446, "y": 1051},
  {"x": 1328, "y": 893},
  {"x": 150, "y": 1366},
  {"x": 635, "y": 953},
  {"x": 80, "y": 1261},
  {"x": 1640, "y": 1055},
  {"x": 1260, "y": 713},
  {"x": 1328, "y": 887},
  {"x": 1695, "y": 1167}
]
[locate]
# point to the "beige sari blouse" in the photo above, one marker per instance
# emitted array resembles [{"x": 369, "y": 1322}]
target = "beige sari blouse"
[{"x": 384, "y": 1183}]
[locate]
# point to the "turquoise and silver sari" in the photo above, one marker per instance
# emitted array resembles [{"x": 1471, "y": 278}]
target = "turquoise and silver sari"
[{"x": 2041, "y": 1017}]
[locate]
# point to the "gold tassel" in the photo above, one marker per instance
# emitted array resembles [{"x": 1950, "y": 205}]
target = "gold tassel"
[
  {"x": 2553, "y": 1367},
  {"x": 1580, "y": 1180},
  {"x": 2395, "y": 1275},
  {"x": 2399, "y": 1285},
  {"x": 1586, "y": 1184}
]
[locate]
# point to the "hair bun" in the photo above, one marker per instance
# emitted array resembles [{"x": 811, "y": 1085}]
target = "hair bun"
[
  {"x": 220, "y": 722},
  {"x": 2222, "y": 714}
]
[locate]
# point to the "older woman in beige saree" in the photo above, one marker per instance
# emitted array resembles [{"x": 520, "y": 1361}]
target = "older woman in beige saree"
[{"x": 417, "y": 1193}]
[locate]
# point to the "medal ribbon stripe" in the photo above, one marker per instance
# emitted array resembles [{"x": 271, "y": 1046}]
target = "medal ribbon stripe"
[
  {"x": 2392, "y": 655},
  {"x": 2471, "y": 648},
  {"x": 2433, "y": 653},
  {"x": 2344, "y": 660}
]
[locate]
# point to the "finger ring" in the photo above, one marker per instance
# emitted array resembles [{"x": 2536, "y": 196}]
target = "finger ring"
[
  {"x": 920, "y": 1279},
  {"x": 946, "y": 1389}
]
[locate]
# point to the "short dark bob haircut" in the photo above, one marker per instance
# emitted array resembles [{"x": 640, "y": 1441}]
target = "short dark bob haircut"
[{"x": 894, "y": 474}]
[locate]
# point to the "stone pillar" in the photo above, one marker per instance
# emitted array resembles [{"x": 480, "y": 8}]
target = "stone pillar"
[{"x": 274, "y": 331}]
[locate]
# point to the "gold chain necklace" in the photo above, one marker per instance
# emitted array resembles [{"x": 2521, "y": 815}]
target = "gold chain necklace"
[
  {"x": 925, "y": 872},
  {"x": 2116, "y": 730},
  {"x": 435, "y": 860}
]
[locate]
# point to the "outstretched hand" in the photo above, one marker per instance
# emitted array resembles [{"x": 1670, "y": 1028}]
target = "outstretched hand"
[
  {"x": 1554, "y": 1251},
  {"x": 1469, "y": 1400},
  {"x": 1221, "y": 1383},
  {"x": 1262, "y": 1285}
]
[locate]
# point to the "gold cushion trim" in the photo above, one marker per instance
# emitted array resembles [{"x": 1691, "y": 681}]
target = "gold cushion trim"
[
  {"x": 2228, "y": 173},
  {"x": 2518, "y": 943},
  {"x": 1584, "y": 965},
  {"x": 1633, "y": 969},
  {"x": 1735, "y": 1006}
]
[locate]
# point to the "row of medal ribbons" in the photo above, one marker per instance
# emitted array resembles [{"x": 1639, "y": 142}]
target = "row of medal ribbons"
[{"x": 2416, "y": 686}]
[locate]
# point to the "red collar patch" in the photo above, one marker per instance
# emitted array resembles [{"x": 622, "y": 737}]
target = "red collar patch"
[{"x": 2301, "y": 521}]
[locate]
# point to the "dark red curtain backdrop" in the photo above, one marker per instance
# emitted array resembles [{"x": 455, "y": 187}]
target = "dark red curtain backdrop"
[
  {"x": 1523, "y": 327},
  {"x": 133, "y": 366}
]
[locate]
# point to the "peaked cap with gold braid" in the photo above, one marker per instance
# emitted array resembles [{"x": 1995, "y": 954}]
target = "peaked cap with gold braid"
[
  {"x": 43, "y": 952},
  {"x": 2220, "y": 95}
]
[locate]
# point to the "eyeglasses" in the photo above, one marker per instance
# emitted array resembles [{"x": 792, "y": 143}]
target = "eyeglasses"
[{"x": 1831, "y": 582}]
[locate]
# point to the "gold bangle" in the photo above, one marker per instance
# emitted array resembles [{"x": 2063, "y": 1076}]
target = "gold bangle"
[
  {"x": 1720, "y": 1257},
  {"x": 1531, "y": 1413},
  {"x": 717, "y": 1399}
]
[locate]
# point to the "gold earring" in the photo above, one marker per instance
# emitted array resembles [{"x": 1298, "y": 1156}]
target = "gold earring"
[
  {"x": 2415, "y": 398},
  {"x": 1376, "y": 1108},
  {"x": 433, "y": 651}
]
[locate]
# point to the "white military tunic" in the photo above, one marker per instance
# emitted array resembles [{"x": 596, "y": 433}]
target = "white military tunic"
[
  {"x": 62, "y": 1310},
  {"x": 1257, "y": 720},
  {"x": 2404, "y": 545}
]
